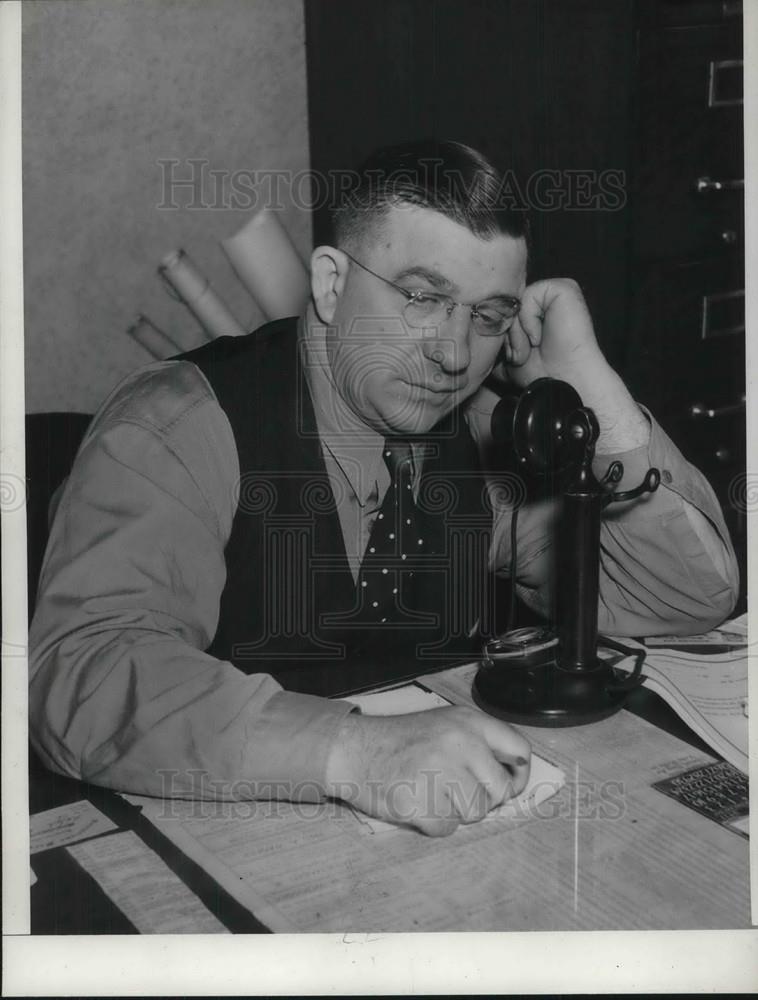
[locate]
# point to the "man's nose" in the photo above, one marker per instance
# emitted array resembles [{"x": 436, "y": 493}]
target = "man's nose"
[{"x": 450, "y": 347}]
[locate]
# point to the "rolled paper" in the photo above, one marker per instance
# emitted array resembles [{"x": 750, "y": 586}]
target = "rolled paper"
[
  {"x": 194, "y": 290},
  {"x": 268, "y": 265},
  {"x": 152, "y": 338}
]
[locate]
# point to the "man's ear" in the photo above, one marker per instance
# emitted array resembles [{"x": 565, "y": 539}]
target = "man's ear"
[{"x": 329, "y": 268}]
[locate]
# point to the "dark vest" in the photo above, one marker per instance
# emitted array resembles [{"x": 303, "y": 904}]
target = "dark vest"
[{"x": 290, "y": 606}]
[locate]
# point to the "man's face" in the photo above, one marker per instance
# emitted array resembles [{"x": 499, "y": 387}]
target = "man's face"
[{"x": 400, "y": 379}]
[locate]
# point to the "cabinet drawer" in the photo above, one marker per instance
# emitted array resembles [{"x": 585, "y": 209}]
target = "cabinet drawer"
[
  {"x": 687, "y": 346},
  {"x": 693, "y": 384},
  {"x": 690, "y": 163}
]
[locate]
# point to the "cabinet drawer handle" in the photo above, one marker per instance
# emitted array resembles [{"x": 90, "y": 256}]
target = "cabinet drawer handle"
[
  {"x": 731, "y": 8},
  {"x": 722, "y": 314},
  {"x": 704, "y": 185},
  {"x": 725, "y": 84},
  {"x": 698, "y": 411}
]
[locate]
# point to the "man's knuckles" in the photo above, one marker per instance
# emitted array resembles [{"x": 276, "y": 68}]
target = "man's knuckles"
[
  {"x": 437, "y": 827},
  {"x": 567, "y": 285}
]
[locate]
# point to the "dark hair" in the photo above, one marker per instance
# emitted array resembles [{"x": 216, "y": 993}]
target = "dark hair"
[{"x": 445, "y": 176}]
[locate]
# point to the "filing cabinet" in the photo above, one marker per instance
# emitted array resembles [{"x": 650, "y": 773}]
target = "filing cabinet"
[
  {"x": 692, "y": 346},
  {"x": 687, "y": 194},
  {"x": 686, "y": 348}
]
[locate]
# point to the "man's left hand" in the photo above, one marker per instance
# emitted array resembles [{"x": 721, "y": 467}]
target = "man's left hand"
[{"x": 552, "y": 335}]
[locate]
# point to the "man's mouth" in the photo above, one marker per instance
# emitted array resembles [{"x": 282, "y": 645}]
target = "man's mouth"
[{"x": 438, "y": 388}]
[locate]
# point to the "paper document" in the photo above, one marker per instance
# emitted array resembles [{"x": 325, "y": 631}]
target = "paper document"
[
  {"x": 544, "y": 778},
  {"x": 143, "y": 887},
  {"x": 608, "y": 851},
  {"x": 709, "y": 693},
  {"x": 67, "y": 824},
  {"x": 397, "y": 701},
  {"x": 716, "y": 637},
  {"x": 708, "y": 690},
  {"x": 732, "y": 632}
]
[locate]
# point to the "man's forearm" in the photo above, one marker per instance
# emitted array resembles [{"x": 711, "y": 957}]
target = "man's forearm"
[
  {"x": 623, "y": 425},
  {"x": 144, "y": 712}
]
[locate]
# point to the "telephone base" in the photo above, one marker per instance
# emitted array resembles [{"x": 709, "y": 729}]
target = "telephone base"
[{"x": 546, "y": 694}]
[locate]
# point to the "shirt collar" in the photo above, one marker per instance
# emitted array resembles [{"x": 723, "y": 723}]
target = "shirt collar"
[{"x": 354, "y": 446}]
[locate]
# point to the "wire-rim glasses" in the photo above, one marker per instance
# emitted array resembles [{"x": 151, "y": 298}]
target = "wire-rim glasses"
[{"x": 424, "y": 309}]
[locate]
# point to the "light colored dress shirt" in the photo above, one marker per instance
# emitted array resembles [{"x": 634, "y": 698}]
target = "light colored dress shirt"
[{"x": 122, "y": 693}]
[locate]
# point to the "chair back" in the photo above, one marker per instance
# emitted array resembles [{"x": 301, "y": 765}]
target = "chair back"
[{"x": 52, "y": 441}]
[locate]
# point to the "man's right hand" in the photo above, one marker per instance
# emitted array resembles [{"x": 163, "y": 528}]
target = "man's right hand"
[{"x": 431, "y": 770}]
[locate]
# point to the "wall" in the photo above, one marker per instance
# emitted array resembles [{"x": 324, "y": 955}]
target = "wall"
[
  {"x": 542, "y": 87},
  {"x": 110, "y": 88}
]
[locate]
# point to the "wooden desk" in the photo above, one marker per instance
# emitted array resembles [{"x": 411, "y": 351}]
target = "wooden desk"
[{"x": 581, "y": 857}]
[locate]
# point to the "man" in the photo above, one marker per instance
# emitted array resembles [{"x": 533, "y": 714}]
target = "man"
[{"x": 302, "y": 511}]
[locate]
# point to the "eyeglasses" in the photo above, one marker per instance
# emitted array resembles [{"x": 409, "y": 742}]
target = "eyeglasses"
[{"x": 427, "y": 309}]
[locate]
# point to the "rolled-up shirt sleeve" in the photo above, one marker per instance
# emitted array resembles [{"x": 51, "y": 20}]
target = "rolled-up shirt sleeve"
[
  {"x": 667, "y": 561},
  {"x": 667, "y": 565},
  {"x": 122, "y": 693}
]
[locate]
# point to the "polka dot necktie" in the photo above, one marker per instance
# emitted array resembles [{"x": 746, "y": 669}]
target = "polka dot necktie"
[{"x": 395, "y": 543}]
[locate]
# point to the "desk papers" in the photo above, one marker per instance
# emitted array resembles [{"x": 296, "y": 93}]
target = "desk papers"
[
  {"x": 730, "y": 632},
  {"x": 607, "y": 852},
  {"x": 143, "y": 887},
  {"x": 66, "y": 824},
  {"x": 400, "y": 700},
  {"x": 709, "y": 692}
]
